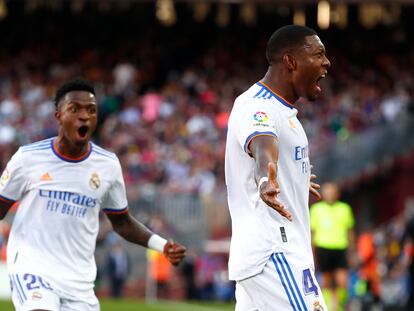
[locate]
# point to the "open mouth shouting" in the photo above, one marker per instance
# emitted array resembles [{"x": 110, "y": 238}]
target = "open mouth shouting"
[
  {"x": 318, "y": 86},
  {"x": 83, "y": 132}
]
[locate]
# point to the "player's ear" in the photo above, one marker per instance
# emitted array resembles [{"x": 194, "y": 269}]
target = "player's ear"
[
  {"x": 58, "y": 114},
  {"x": 289, "y": 61}
]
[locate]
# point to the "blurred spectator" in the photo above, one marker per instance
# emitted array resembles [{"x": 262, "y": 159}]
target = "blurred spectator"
[
  {"x": 332, "y": 223},
  {"x": 188, "y": 271},
  {"x": 160, "y": 272},
  {"x": 367, "y": 266},
  {"x": 408, "y": 256},
  {"x": 118, "y": 265}
]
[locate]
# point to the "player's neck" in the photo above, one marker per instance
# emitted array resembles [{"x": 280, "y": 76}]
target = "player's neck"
[
  {"x": 280, "y": 85},
  {"x": 69, "y": 149}
]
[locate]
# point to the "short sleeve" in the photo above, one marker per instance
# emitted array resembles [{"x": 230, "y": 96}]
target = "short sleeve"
[
  {"x": 12, "y": 181},
  {"x": 257, "y": 118},
  {"x": 116, "y": 201},
  {"x": 351, "y": 220}
]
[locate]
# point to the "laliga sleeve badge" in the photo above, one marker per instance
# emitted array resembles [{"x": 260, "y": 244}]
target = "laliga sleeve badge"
[
  {"x": 260, "y": 118},
  {"x": 94, "y": 181},
  {"x": 4, "y": 177},
  {"x": 317, "y": 306}
]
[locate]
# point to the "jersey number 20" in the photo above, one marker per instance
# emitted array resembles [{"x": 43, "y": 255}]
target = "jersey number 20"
[{"x": 34, "y": 281}]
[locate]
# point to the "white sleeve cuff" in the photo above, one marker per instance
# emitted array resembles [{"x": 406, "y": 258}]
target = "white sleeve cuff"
[
  {"x": 157, "y": 243},
  {"x": 261, "y": 181}
]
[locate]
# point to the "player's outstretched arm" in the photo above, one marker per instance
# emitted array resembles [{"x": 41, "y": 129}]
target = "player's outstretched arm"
[
  {"x": 4, "y": 208},
  {"x": 265, "y": 151},
  {"x": 314, "y": 187},
  {"x": 134, "y": 231}
]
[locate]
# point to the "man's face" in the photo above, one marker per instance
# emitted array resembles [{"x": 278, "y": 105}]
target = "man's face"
[
  {"x": 77, "y": 116},
  {"x": 312, "y": 66},
  {"x": 330, "y": 192}
]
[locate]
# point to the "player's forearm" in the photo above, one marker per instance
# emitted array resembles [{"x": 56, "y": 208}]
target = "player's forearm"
[
  {"x": 261, "y": 167},
  {"x": 264, "y": 150},
  {"x": 132, "y": 230}
]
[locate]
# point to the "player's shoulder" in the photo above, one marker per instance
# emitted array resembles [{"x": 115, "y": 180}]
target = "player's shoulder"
[
  {"x": 98, "y": 151},
  {"x": 38, "y": 145},
  {"x": 256, "y": 97},
  {"x": 255, "y": 93},
  {"x": 344, "y": 205}
]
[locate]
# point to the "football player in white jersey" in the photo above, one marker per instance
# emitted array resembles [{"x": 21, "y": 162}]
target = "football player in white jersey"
[
  {"x": 268, "y": 179},
  {"x": 62, "y": 183}
]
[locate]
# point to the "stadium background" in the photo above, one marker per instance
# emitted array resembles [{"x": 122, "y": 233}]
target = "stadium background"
[{"x": 167, "y": 74}]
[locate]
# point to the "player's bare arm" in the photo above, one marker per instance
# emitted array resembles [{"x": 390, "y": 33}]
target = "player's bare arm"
[
  {"x": 265, "y": 151},
  {"x": 134, "y": 231},
  {"x": 4, "y": 208}
]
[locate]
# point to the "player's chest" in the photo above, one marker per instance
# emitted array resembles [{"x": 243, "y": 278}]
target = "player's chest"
[
  {"x": 291, "y": 133},
  {"x": 86, "y": 179}
]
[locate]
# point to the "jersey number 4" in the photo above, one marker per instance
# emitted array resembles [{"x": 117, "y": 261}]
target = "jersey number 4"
[{"x": 309, "y": 284}]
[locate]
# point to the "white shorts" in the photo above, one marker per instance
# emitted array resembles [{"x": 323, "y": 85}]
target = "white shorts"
[
  {"x": 286, "y": 283},
  {"x": 33, "y": 292}
]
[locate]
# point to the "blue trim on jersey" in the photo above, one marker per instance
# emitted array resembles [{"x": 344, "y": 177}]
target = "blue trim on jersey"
[
  {"x": 265, "y": 95},
  {"x": 105, "y": 155},
  {"x": 102, "y": 149},
  {"x": 19, "y": 295},
  {"x": 280, "y": 99},
  {"x": 38, "y": 143},
  {"x": 115, "y": 211},
  {"x": 83, "y": 158},
  {"x": 251, "y": 136},
  {"x": 99, "y": 150},
  {"x": 6, "y": 199},
  {"x": 37, "y": 148},
  {"x": 21, "y": 287},
  {"x": 258, "y": 93},
  {"x": 283, "y": 282},
  {"x": 294, "y": 281}
]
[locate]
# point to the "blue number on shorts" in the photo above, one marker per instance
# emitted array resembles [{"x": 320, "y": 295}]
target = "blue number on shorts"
[
  {"x": 34, "y": 281},
  {"x": 44, "y": 283},
  {"x": 309, "y": 283}
]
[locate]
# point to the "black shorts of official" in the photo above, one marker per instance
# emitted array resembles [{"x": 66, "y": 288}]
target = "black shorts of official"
[{"x": 331, "y": 259}]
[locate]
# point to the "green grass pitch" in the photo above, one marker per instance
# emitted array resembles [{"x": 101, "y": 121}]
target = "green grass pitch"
[{"x": 132, "y": 305}]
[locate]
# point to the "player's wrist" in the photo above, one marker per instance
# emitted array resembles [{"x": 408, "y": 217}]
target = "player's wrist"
[
  {"x": 261, "y": 181},
  {"x": 156, "y": 243}
]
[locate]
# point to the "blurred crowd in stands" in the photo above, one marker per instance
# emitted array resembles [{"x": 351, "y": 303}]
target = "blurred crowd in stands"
[{"x": 165, "y": 98}]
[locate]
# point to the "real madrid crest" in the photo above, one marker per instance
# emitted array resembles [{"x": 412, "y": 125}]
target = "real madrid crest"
[
  {"x": 94, "y": 181},
  {"x": 5, "y": 177},
  {"x": 317, "y": 306}
]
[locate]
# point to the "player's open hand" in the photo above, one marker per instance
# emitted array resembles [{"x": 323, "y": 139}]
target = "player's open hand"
[
  {"x": 174, "y": 252},
  {"x": 314, "y": 187},
  {"x": 269, "y": 191}
]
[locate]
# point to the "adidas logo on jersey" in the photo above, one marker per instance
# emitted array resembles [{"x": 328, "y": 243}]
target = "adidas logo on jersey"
[{"x": 46, "y": 177}]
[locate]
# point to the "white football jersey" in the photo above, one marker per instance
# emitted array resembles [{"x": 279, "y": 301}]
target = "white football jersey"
[
  {"x": 258, "y": 230},
  {"x": 55, "y": 227}
]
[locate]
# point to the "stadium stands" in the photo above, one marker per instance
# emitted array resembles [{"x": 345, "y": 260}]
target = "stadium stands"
[{"x": 165, "y": 94}]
